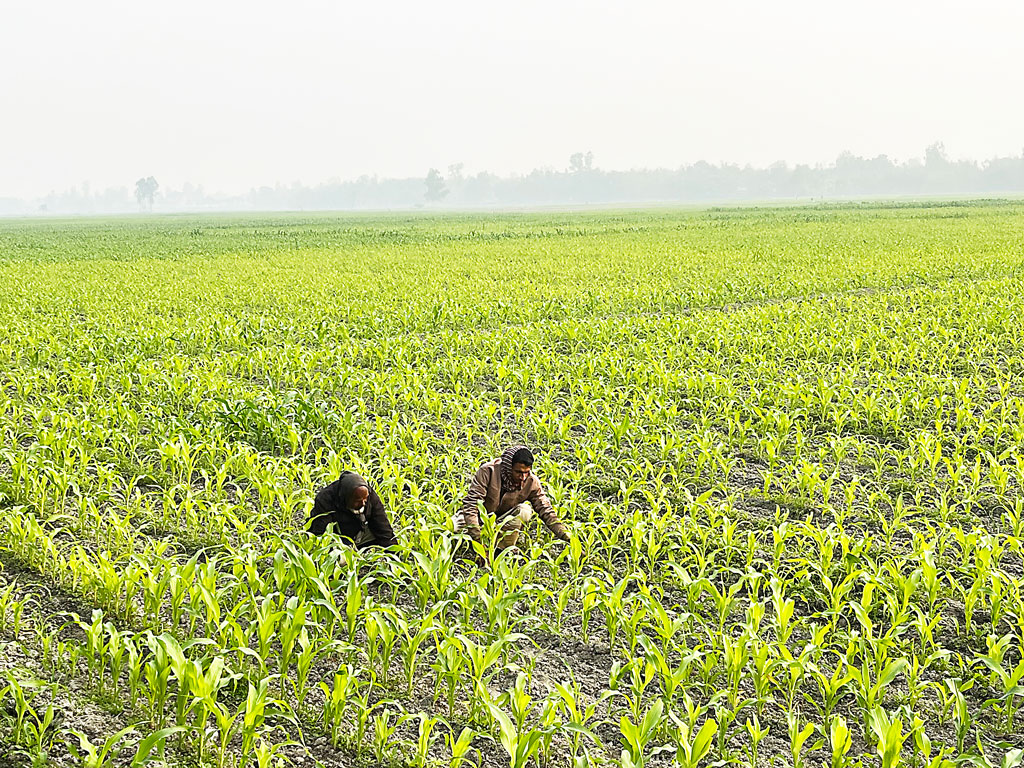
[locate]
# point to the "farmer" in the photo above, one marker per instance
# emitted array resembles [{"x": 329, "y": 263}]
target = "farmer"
[
  {"x": 355, "y": 510},
  {"x": 510, "y": 491}
]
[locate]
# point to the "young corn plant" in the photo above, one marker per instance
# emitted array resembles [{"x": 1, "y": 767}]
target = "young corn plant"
[
  {"x": 32, "y": 719},
  {"x": 520, "y": 746},
  {"x": 831, "y": 688},
  {"x": 107, "y": 754},
  {"x": 693, "y": 744},
  {"x": 460, "y": 747},
  {"x": 636, "y": 736},
  {"x": 674, "y": 679},
  {"x": 923, "y": 748},
  {"x": 1008, "y": 683},
  {"x": 336, "y": 700},
  {"x": 869, "y": 693},
  {"x": 425, "y": 739},
  {"x": 413, "y": 642},
  {"x": 309, "y": 652},
  {"x": 798, "y": 737},
  {"x": 10, "y": 608},
  {"x": 449, "y": 662},
  {"x": 385, "y": 723},
  {"x": 246, "y": 724},
  {"x": 290, "y": 629},
  {"x": 577, "y": 720},
  {"x": 840, "y": 740},
  {"x": 756, "y": 734},
  {"x": 889, "y": 737}
]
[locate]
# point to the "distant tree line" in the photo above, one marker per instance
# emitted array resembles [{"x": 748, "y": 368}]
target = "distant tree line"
[
  {"x": 145, "y": 192},
  {"x": 581, "y": 183}
]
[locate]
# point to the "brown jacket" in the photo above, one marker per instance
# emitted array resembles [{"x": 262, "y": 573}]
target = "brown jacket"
[{"x": 485, "y": 488}]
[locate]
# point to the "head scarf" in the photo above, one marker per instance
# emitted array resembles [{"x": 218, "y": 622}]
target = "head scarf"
[
  {"x": 347, "y": 484},
  {"x": 509, "y": 457}
]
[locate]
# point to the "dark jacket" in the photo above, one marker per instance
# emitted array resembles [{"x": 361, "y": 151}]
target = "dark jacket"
[{"x": 329, "y": 509}]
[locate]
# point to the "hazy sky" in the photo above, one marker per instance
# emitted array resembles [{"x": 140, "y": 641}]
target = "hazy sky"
[{"x": 237, "y": 94}]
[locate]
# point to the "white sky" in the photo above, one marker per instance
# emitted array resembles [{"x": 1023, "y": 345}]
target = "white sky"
[{"x": 238, "y": 94}]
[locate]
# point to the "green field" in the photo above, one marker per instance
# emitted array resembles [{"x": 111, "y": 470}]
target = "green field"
[{"x": 789, "y": 443}]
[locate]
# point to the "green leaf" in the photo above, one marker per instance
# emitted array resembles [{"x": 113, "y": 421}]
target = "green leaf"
[
  {"x": 150, "y": 742},
  {"x": 702, "y": 741}
]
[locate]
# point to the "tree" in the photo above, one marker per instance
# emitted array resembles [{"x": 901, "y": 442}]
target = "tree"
[
  {"x": 436, "y": 189},
  {"x": 145, "y": 191},
  {"x": 935, "y": 155},
  {"x": 581, "y": 162}
]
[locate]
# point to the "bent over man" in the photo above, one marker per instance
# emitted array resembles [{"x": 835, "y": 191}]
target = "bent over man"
[
  {"x": 355, "y": 510},
  {"x": 510, "y": 491}
]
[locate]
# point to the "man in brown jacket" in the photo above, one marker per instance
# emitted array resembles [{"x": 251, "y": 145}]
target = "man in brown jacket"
[{"x": 507, "y": 489}]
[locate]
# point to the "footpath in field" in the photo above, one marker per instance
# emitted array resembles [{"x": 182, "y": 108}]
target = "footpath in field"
[{"x": 788, "y": 443}]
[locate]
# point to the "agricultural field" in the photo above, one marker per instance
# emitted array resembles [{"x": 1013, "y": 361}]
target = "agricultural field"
[{"x": 789, "y": 444}]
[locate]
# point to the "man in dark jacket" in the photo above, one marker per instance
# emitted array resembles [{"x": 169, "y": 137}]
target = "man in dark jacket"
[{"x": 355, "y": 510}]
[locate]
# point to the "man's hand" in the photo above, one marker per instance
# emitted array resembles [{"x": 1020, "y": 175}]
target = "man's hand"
[{"x": 561, "y": 534}]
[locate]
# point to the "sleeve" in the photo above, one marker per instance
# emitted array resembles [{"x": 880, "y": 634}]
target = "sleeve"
[
  {"x": 323, "y": 511},
  {"x": 378, "y": 523},
  {"x": 542, "y": 506},
  {"x": 470, "y": 509}
]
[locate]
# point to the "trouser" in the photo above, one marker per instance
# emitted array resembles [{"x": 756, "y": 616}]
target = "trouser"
[
  {"x": 363, "y": 539},
  {"x": 509, "y": 524}
]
